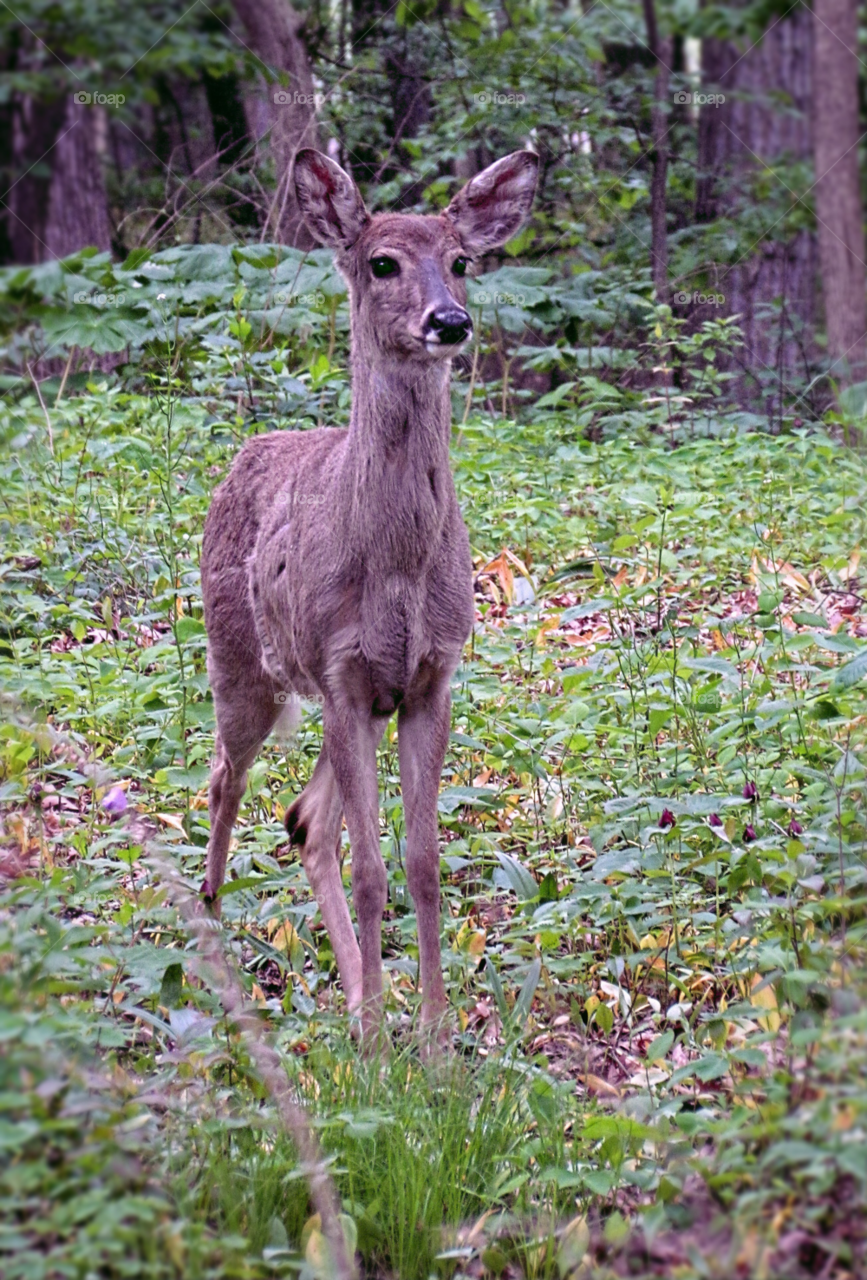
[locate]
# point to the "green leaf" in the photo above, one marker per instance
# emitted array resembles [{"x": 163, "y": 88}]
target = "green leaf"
[
  {"x": 528, "y": 990},
  {"x": 659, "y": 1048},
  {"x": 172, "y": 986},
  {"x": 519, "y": 878},
  {"x": 658, "y": 718},
  {"x": 851, "y": 672},
  {"x": 135, "y": 259},
  {"x": 497, "y": 988},
  {"x": 604, "y": 1018}
]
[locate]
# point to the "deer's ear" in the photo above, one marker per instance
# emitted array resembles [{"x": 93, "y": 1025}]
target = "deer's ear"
[
  {"x": 494, "y": 204},
  {"x": 329, "y": 200}
]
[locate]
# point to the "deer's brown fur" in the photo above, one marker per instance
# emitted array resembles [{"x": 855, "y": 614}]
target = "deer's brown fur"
[{"x": 336, "y": 563}]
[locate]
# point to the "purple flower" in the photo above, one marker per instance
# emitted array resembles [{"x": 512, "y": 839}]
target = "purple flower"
[
  {"x": 749, "y": 833},
  {"x": 115, "y": 802},
  {"x": 715, "y": 820},
  {"x": 668, "y": 819},
  {"x": 750, "y": 791},
  {"x": 795, "y": 828}
]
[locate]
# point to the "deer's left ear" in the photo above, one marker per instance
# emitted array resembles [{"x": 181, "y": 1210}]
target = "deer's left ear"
[
  {"x": 494, "y": 204},
  {"x": 329, "y": 200}
]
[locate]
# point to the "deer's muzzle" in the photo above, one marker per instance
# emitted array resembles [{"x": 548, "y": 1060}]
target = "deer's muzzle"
[{"x": 448, "y": 325}]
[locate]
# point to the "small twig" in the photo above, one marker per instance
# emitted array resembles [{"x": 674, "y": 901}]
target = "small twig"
[
  {"x": 217, "y": 971},
  {"x": 473, "y": 375},
  {"x": 60, "y": 391},
  {"x": 44, "y": 410}
]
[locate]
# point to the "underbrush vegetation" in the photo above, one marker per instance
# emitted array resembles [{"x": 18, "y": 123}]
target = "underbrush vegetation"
[{"x": 652, "y": 813}]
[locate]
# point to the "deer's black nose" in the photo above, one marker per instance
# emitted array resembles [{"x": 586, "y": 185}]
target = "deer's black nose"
[{"x": 451, "y": 325}]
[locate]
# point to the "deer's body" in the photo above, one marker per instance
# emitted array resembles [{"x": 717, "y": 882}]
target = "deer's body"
[{"x": 336, "y": 563}]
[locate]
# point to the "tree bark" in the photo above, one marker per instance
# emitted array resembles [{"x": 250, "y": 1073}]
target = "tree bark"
[
  {"x": 839, "y": 213},
  {"x": 77, "y": 206},
  {"x": 661, "y": 51},
  {"x": 58, "y": 204},
  {"x": 35, "y": 130},
  {"x": 775, "y": 279},
  {"x": 274, "y": 28}
]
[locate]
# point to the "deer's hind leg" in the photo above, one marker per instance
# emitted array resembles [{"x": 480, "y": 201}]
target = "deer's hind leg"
[
  {"x": 313, "y": 823},
  {"x": 245, "y": 717}
]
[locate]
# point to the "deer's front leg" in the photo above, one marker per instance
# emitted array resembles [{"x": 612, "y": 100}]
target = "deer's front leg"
[
  {"x": 423, "y": 734},
  {"x": 351, "y": 736}
]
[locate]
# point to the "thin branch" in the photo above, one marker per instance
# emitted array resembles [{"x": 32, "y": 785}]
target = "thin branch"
[
  {"x": 42, "y": 403},
  {"x": 217, "y": 971}
]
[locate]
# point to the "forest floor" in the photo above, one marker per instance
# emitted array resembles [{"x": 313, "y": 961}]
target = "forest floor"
[{"x": 654, "y": 877}]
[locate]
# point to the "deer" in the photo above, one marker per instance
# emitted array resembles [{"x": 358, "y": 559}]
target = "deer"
[{"x": 336, "y": 565}]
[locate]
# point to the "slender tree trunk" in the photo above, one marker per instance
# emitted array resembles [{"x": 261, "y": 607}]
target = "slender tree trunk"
[
  {"x": 35, "y": 131},
  {"x": 661, "y": 50},
  {"x": 839, "y": 212},
  {"x": 772, "y": 286},
  {"x": 58, "y": 204},
  {"x": 77, "y": 207},
  {"x": 273, "y": 27}
]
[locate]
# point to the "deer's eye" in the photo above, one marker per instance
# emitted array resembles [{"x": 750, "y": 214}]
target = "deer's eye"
[
  {"x": 384, "y": 267},
  {"x": 459, "y": 267}
]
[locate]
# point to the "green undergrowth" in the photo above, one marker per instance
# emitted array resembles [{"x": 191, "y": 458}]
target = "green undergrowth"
[{"x": 653, "y": 870}]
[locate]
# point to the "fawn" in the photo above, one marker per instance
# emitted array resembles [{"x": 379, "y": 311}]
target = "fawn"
[{"x": 336, "y": 564}]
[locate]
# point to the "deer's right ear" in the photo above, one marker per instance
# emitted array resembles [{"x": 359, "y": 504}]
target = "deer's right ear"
[
  {"x": 494, "y": 205},
  {"x": 329, "y": 200}
]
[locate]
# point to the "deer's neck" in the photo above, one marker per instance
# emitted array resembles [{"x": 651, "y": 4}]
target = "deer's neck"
[{"x": 396, "y": 486}]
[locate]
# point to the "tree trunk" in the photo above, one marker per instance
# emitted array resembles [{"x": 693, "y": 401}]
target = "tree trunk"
[
  {"x": 274, "y": 27},
  {"x": 661, "y": 51},
  {"x": 35, "y": 131},
  {"x": 839, "y": 214},
  {"x": 77, "y": 207},
  {"x": 772, "y": 288},
  {"x": 58, "y": 205}
]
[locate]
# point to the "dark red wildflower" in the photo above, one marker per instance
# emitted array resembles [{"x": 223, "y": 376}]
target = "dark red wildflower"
[
  {"x": 751, "y": 791},
  {"x": 795, "y": 828},
  {"x": 715, "y": 820},
  {"x": 749, "y": 833},
  {"x": 668, "y": 819}
]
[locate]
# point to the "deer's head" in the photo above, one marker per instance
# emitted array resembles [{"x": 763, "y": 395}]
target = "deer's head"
[{"x": 406, "y": 273}]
